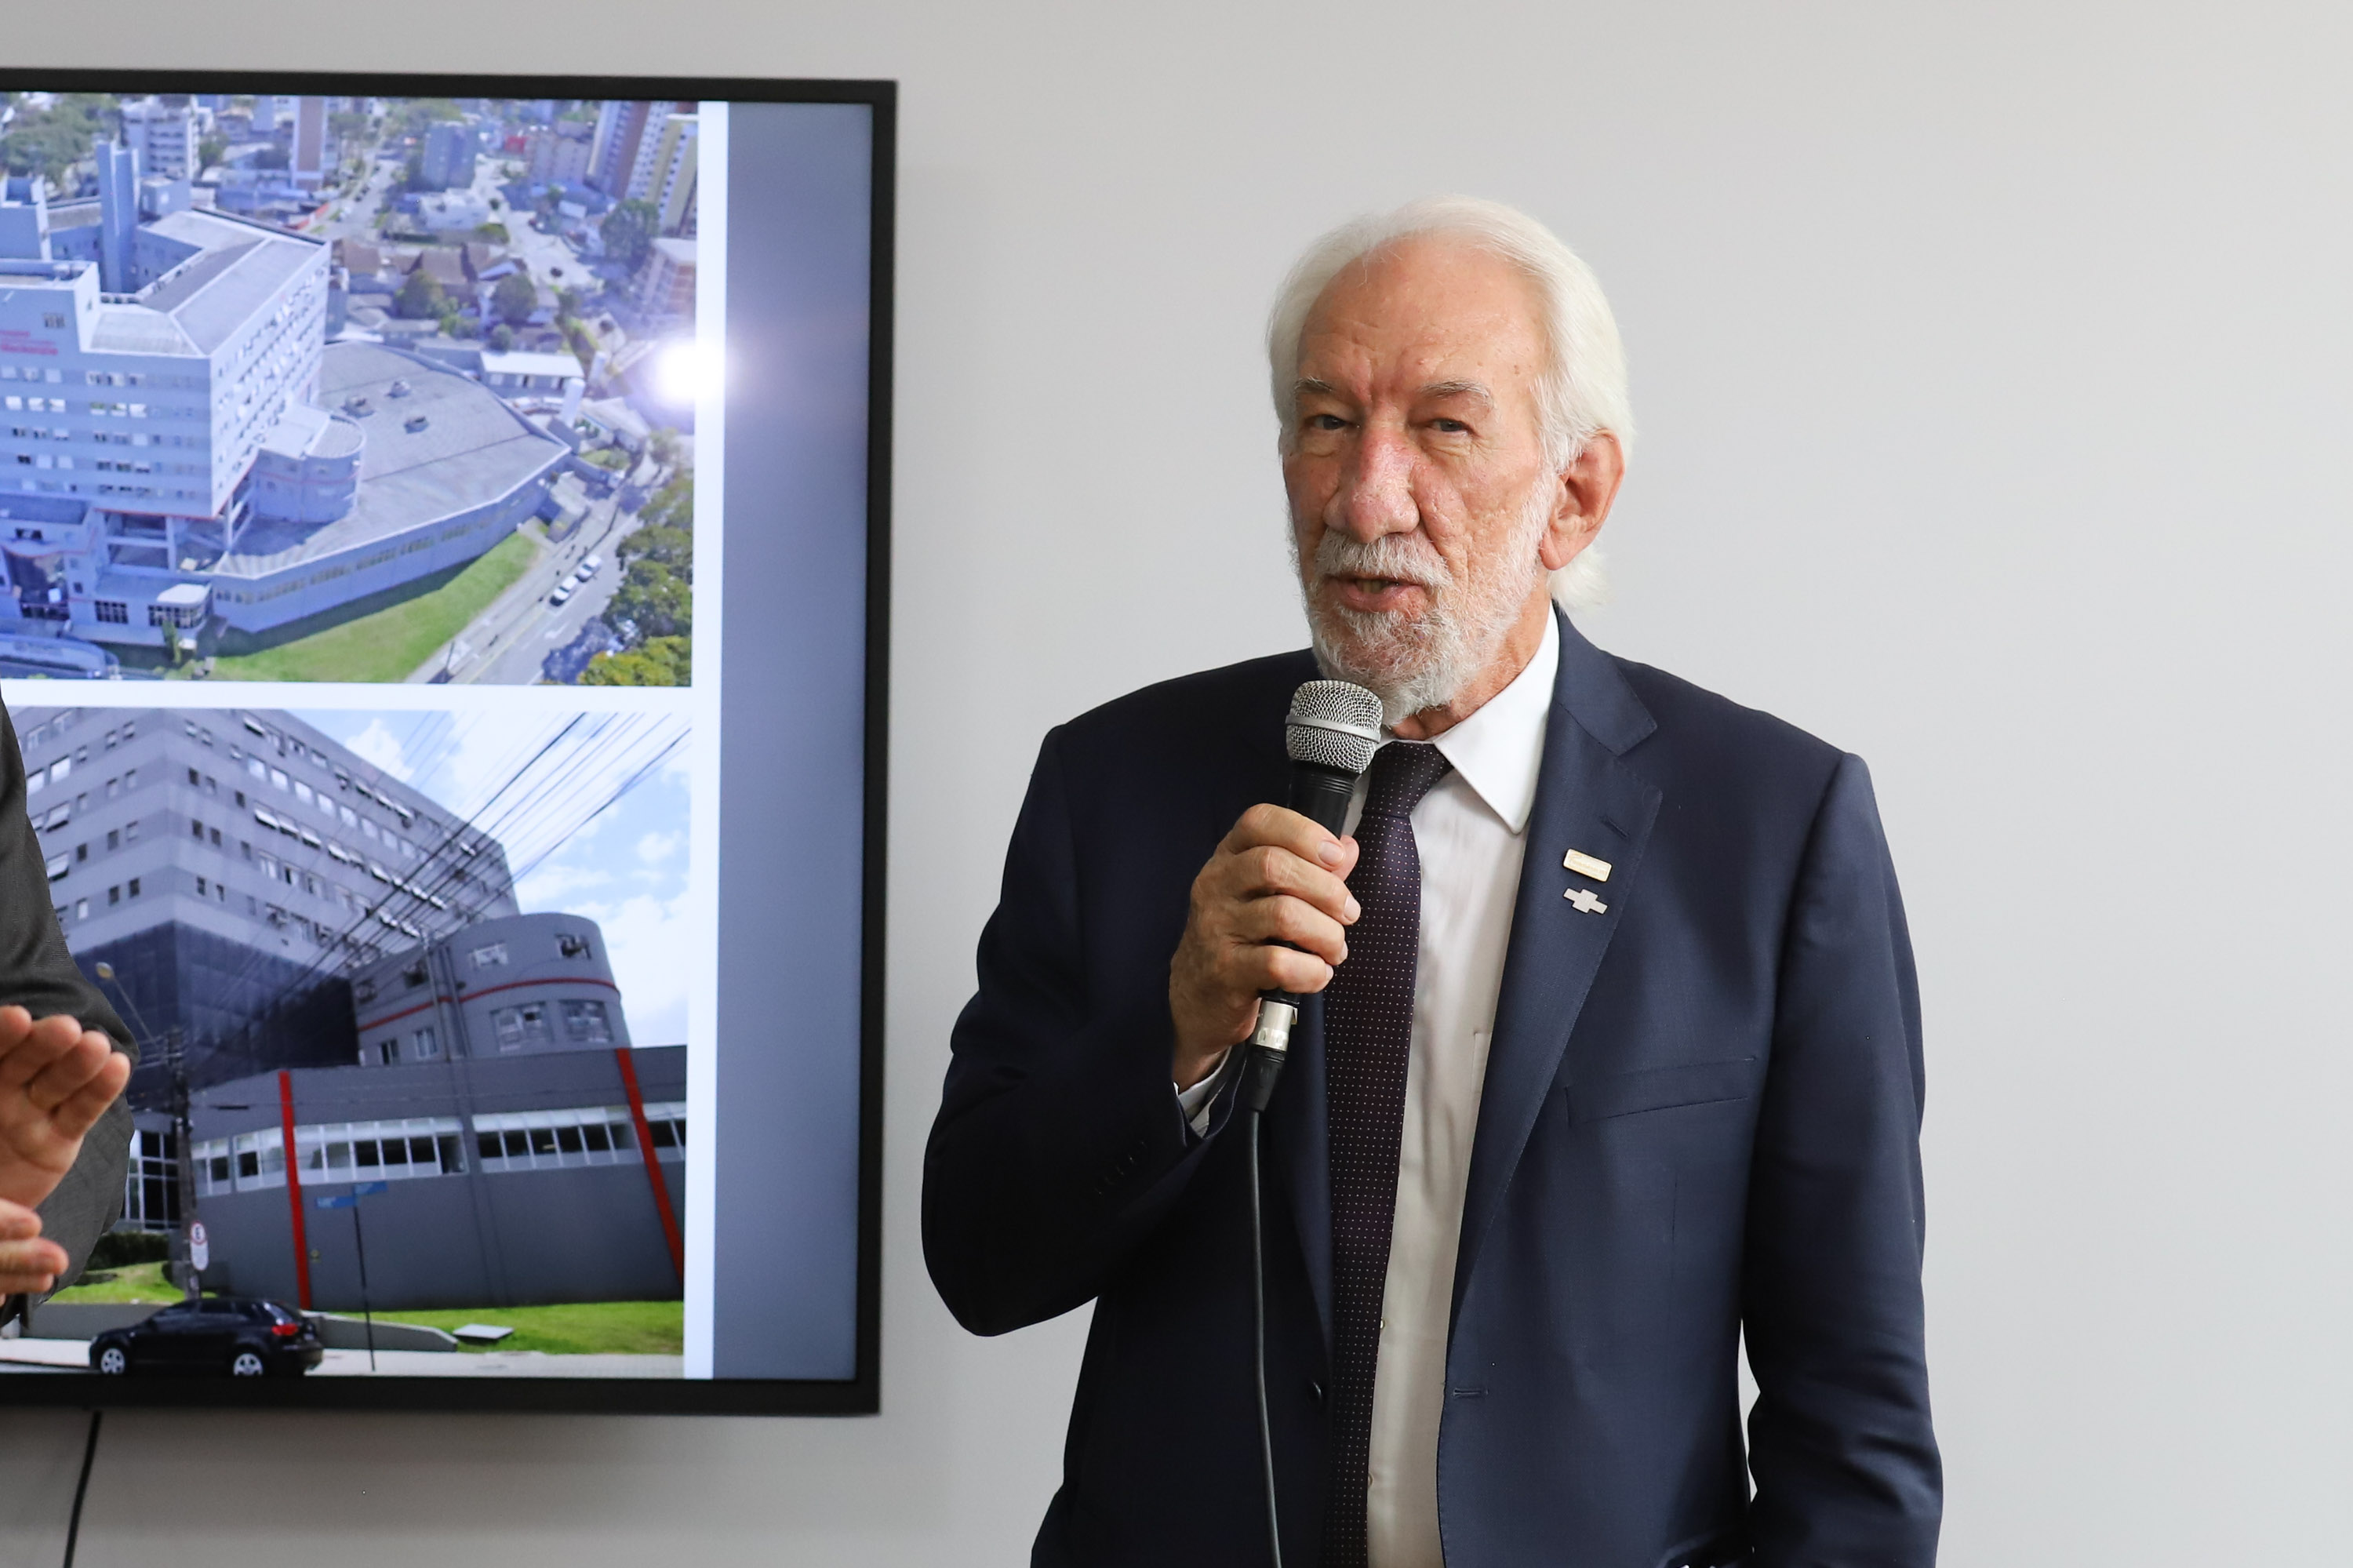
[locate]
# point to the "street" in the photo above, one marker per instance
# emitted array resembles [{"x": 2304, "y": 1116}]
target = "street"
[{"x": 509, "y": 643}]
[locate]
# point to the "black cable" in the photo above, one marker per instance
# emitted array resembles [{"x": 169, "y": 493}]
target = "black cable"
[
  {"x": 1258, "y": 1307},
  {"x": 82, "y": 1488}
]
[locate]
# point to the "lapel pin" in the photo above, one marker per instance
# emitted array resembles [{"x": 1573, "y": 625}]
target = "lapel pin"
[
  {"x": 1581, "y": 899},
  {"x": 1585, "y": 865}
]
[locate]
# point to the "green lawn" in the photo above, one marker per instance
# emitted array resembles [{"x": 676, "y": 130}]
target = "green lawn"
[
  {"x": 132, "y": 1282},
  {"x": 588, "y": 1327},
  {"x": 392, "y": 633}
]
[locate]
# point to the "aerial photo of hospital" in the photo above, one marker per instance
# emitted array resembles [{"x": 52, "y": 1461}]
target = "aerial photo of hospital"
[{"x": 273, "y": 369}]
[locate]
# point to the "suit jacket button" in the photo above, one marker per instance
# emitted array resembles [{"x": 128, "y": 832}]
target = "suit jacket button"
[{"x": 1315, "y": 1391}]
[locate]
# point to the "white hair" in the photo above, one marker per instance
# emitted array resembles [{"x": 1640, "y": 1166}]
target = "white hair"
[{"x": 1583, "y": 389}]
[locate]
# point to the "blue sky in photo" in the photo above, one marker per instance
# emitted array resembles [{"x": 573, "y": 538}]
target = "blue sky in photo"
[{"x": 530, "y": 782}]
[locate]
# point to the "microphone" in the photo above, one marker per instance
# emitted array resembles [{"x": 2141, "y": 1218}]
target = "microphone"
[{"x": 1333, "y": 731}]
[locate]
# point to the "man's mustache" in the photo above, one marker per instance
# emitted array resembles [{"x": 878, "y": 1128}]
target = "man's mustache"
[{"x": 1387, "y": 558}]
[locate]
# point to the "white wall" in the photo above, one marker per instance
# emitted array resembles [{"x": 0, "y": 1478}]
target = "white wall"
[{"x": 1993, "y": 370}]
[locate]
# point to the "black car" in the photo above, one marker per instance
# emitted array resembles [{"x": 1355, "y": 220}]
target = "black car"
[{"x": 218, "y": 1334}]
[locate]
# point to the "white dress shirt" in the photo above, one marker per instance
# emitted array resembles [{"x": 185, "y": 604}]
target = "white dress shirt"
[{"x": 1470, "y": 832}]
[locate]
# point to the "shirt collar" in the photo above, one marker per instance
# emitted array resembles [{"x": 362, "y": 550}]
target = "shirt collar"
[{"x": 1499, "y": 751}]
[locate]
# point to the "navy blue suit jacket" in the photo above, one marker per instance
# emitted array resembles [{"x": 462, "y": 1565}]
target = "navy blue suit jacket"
[{"x": 1701, "y": 1114}]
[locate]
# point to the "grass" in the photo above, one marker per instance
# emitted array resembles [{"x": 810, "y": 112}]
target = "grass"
[
  {"x": 132, "y": 1282},
  {"x": 580, "y": 1329},
  {"x": 577, "y": 1329},
  {"x": 384, "y": 637}
]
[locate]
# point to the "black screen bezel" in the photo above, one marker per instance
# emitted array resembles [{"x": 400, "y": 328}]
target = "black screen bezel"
[{"x": 857, "y": 1395}]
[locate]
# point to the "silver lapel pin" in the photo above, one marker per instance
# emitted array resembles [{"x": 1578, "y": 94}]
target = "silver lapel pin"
[{"x": 1581, "y": 899}]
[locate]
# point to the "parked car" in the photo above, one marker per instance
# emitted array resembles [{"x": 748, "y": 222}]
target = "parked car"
[
  {"x": 563, "y": 592},
  {"x": 220, "y": 1334},
  {"x": 588, "y": 567}
]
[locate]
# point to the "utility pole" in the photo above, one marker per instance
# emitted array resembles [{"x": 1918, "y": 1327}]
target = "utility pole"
[{"x": 183, "y": 1137}]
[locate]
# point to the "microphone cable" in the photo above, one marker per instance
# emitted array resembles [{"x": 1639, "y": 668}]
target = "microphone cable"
[
  {"x": 81, "y": 1486},
  {"x": 1257, "y": 1313}
]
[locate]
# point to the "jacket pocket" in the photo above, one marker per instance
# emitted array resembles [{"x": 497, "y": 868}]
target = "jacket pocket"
[{"x": 1661, "y": 1088}]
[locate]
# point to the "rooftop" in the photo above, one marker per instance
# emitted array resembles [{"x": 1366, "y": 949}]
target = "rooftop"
[
  {"x": 469, "y": 449},
  {"x": 520, "y": 362},
  {"x": 202, "y": 304}
]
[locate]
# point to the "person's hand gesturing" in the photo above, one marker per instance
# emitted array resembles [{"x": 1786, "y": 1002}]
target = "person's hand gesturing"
[{"x": 57, "y": 1079}]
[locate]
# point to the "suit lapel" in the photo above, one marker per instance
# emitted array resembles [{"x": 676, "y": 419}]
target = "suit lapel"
[{"x": 1587, "y": 800}]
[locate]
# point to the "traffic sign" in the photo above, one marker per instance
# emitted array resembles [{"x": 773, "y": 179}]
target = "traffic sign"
[{"x": 200, "y": 1248}]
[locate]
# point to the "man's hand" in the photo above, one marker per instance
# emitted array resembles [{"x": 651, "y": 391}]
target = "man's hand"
[
  {"x": 1277, "y": 878},
  {"x": 57, "y": 1079},
  {"x": 28, "y": 1265}
]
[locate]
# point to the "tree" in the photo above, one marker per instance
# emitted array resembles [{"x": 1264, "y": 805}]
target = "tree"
[
  {"x": 501, "y": 337},
  {"x": 514, "y": 298},
  {"x": 52, "y": 140},
  {"x": 211, "y": 149},
  {"x": 665, "y": 446},
  {"x": 453, "y": 325},
  {"x": 660, "y": 662},
  {"x": 658, "y": 600},
  {"x": 420, "y": 297},
  {"x": 173, "y": 649},
  {"x": 672, "y": 506},
  {"x": 665, "y": 546},
  {"x": 496, "y": 233},
  {"x": 628, "y": 232}
]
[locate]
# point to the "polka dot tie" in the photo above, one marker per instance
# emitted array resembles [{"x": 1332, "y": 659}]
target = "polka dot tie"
[{"x": 1368, "y": 1029}]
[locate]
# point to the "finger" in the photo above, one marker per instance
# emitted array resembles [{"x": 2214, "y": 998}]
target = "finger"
[
  {"x": 18, "y": 1223},
  {"x": 79, "y": 1111},
  {"x": 74, "y": 1067},
  {"x": 1264, "y": 873},
  {"x": 1280, "y": 969},
  {"x": 1302, "y": 925},
  {"x": 1281, "y": 827},
  {"x": 14, "y": 1022},
  {"x": 30, "y": 1265},
  {"x": 37, "y": 1047}
]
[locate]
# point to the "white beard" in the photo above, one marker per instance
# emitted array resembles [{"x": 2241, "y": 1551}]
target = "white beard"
[{"x": 1424, "y": 662}]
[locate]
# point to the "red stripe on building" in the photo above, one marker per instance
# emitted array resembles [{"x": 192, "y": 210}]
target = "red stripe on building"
[
  {"x": 653, "y": 1160},
  {"x": 486, "y": 991},
  {"x": 295, "y": 1190}
]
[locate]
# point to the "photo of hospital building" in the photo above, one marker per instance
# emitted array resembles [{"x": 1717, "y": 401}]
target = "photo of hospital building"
[{"x": 180, "y": 442}]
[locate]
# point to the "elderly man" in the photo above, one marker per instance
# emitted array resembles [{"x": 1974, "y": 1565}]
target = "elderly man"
[
  {"x": 65, "y": 1137},
  {"x": 1611, "y": 1053}
]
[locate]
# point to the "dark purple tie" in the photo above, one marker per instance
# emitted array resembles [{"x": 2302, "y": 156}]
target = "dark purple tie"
[{"x": 1367, "y": 1029}]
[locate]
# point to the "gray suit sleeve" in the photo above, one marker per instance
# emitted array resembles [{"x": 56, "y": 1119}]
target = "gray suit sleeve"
[{"x": 37, "y": 974}]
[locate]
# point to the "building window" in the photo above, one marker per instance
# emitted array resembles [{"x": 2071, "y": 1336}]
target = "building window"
[
  {"x": 572, "y": 945},
  {"x": 519, "y": 1026},
  {"x": 424, "y": 1045},
  {"x": 115, "y": 896},
  {"x": 586, "y": 1022},
  {"x": 134, "y": 887},
  {"x": 490, "y": 955},
  {"x": 591, "y": 1135}
]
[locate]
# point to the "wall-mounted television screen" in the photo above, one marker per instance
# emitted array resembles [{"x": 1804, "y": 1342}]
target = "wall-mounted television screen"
[{"x": 493, "y": 892}]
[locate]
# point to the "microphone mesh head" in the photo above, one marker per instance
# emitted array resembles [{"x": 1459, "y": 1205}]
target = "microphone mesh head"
[{"x": 1333, "y": 724}]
